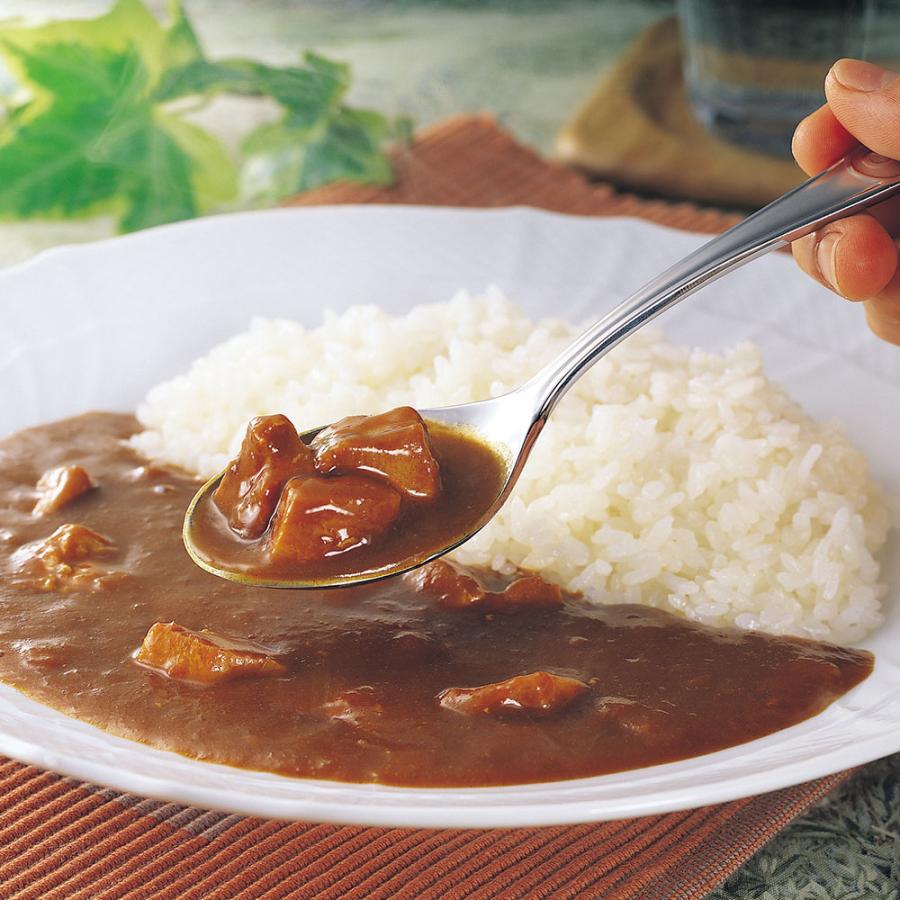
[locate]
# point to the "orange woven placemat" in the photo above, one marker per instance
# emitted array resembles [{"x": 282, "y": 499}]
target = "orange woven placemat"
[
  {"x": 60, "y": 839},
  {"x": 63, "y": 839}
]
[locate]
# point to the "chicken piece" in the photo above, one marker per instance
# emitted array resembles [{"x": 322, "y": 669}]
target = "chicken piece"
[
  {"x": 71, "y": 544},
  {"x": 66, "y": 560},
  {"x": 357, "y": 706},
  {"x": 535, "y": 694},
  {"x": 455, "y": 589},
  {"x": 203, "y": 657},
  {"x": 318, "y": 517},
  {"x": 451, "y": 586},
  {"x": 643, "y": 721},
  {"x": 394, "y": 446},
  {"x": 528, "y": 591},
  {"x": 57, "y": 487},
  {"x": 361, "y": 711},
  {"x": 271, "y": 453},
  {"x": 411, "y": 648}
]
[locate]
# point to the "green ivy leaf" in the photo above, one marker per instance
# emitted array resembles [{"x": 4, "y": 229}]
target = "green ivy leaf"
[
  {"x": 348, "y": 149},
  {"x": 92, "y": 137},
  {"x": 308, "y": 93},
  {"x": 127, "y": 28},
  {"x": 285, "y": 159},
  {"x": 99, "y": 130},
  {"x": 316, "y": 141}
]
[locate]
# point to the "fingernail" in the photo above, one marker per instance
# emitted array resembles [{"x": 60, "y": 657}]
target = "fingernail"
[
  {"x": 861, "y": 76},
  {"x": 825, "y": 256}
]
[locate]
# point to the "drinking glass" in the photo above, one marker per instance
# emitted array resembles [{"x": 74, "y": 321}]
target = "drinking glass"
[{"x": 754, "y": 68}]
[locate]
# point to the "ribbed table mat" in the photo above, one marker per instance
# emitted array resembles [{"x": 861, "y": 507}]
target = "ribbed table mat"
[{"x": 64, "y": 839}]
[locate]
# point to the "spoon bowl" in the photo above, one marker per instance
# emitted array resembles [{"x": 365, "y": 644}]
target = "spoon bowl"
[
  {"x": 511, "y": 423},
  {"x": 501, "y": 424}
]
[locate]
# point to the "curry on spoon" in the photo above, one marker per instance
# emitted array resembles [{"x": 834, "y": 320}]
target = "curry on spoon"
[{"x": 366, "y": 497}]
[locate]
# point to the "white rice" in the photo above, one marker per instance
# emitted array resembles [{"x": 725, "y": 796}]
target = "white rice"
[{"x": 668, "y": 476}]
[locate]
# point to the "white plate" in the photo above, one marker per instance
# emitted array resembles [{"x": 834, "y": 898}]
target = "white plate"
[{"x": 94, "y": 326}]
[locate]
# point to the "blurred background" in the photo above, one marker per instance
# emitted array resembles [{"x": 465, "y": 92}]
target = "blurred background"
[{"x": 120, "y": 115}]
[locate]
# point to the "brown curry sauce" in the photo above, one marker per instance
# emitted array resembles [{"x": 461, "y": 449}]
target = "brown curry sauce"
[{"x": 373, "y": 683}]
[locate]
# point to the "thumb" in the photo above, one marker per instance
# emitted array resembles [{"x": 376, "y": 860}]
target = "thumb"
[{"x": 865, "y": 99}]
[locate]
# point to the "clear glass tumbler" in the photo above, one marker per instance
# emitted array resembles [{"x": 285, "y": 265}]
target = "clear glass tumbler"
[{"x": 754, "y": 68}]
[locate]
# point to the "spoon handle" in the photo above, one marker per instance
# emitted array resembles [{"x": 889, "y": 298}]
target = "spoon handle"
[{"x": 860, "y": 179}]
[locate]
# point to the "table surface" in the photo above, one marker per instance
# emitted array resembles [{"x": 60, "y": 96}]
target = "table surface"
[{"x": 429, "y": 60}]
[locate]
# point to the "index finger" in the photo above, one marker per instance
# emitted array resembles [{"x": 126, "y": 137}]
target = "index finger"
[{"x": 819, "y": 140}]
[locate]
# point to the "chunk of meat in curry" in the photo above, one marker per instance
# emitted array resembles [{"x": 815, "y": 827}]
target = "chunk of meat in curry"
[
  {"x": 537, "y": 694},
  {"x": 318, "y": 517},
  {"x": 307, "y": 503},
  {"x": 59, "y": 486},
  {"x": 455, "y": 589},
  {"x": 638, "y": 718},
  {"x": 67, "y": 560},
  {"x": 357, "y": 706},
  {"x": 393, "y": 446},
  {"x": 271, "y": 454},
  {"x": 203, "y": 657}
]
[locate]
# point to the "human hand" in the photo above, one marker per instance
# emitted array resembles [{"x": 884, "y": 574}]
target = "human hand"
[{"x": 856, "y": 257}]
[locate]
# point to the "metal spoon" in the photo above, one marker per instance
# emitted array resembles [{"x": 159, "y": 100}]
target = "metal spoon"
[{"x": 511, "y": 423}]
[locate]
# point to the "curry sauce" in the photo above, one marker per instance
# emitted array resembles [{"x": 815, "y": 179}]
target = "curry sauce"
[{"x": 444, "y": 677}]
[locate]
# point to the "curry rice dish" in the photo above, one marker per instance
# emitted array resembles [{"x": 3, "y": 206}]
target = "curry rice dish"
[{"x": 589, "y": 628}]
